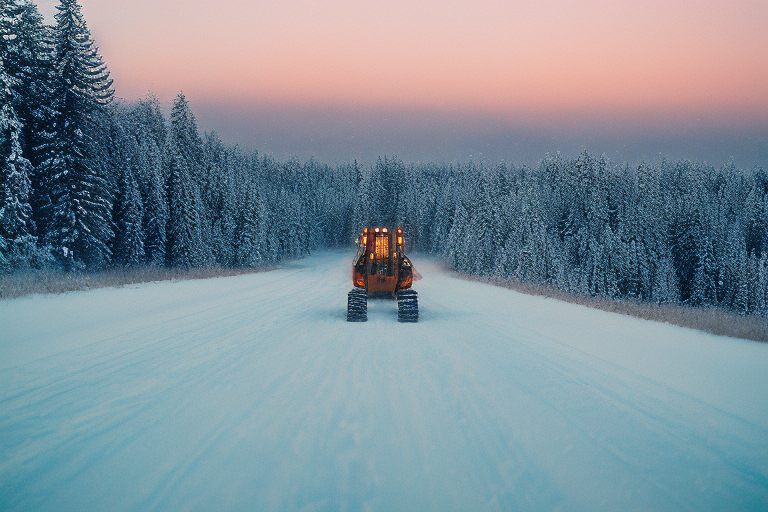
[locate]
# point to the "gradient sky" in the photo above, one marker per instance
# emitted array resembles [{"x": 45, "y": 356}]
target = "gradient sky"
[{"x": 453, "y": 79}]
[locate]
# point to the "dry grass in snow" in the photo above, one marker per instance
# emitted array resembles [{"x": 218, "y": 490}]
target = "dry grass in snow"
[
  {"x": 708, "y": 319},
  {"x": 55, "y": 281}
]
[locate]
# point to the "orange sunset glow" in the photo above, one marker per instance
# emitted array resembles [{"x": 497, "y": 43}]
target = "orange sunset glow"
[{"x": 649, "y": 65}]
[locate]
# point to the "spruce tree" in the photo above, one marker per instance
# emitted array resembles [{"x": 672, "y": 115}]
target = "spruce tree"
[
  {"x": 188, "y": 147},
  {"x": 129, "y": 236},
  {"x": 183, "y": 229},
  {"x": 741, "y": 300},
  {"x": 16, "y": 224},
  {"x": 79, "y": 227},
  {"x": 266, "y": 234},
  {"x": 155, "y": 203},
  {"x": 186, "y": 137},
  {"x": 4, "y": 264},
  {"x": 248, "y": 252},
  {"x": 457, "y": 240},
  {"x": 762, "y": 284},
  {"x": 147, "y": 126},
  {"x": 482, "y": 252},
  {"x": 27, "y": 52},
  {"x": 148, "y": 118},
  {"x": 756, "y": 218}
]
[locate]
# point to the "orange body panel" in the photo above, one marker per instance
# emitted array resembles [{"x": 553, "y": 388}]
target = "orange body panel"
[
  {"x": 381, "y": 266},
  {"x": 381, "y": 284}
]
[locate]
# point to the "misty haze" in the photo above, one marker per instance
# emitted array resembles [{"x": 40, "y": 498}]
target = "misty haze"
[
  {"x": 340, "y": 136},
  {"x": 495, "y": 81}
]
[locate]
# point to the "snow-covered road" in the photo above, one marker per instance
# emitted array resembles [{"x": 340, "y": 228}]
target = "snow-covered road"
[{"x": 254, "y": 393}]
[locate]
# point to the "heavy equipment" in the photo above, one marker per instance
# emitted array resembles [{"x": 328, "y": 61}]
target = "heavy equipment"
[{"x": 382, "y": 270}]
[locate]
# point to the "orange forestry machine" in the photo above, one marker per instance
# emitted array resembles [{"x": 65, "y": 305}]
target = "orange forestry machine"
[{"x": 381, "y": 269}]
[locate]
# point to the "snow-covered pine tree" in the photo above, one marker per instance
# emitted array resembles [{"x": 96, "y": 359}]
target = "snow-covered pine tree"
[
  {"x": 7, "y": 113},
  {"x": 482, "y": 252},
  {"x": 16, "y": 225},
  {"x": 362, "y": 204},
  {"x": 145, "y": 123},
  {"x": 282, "y": 223},
  {"x": 387, "y": 184},
  {"x": 685, "y": 231},
  {"x": 457, "y": 240},
  {"x": 183, "y": 229},
  {"x": 27, "y": 51},
  {"x": 129, "y": 212},
  {"x": 224, "y": 232},
  {"x": 753, "y": 280},
  {"x": 594, "y": 265},
  {"x": 79, "y": 228},
  {"x": 298, "y": 238},
  {"x": 612, "y": 264},
  {"x": 762, "y": 285},
  {"x": 40, "y": 117},
  {"x": 756, "y": 216},
  {"x": 703, "y": 288},
  {"x": 741, "y": 300},
  {"x": 665, "y": 287},
  {"x": 273, "y": 243},
  {"x": 504, "y": 265},
  {"x": 4, "y": 264},
  {"x": 248, "y": 251},
  {"x": 155, "y": 203},
  {"x": 632, "y": 272},
  {"x": 148, "y": 118},
  {"x": 443, "y": 217},
  {"x": 217, "y": 197},
  {"x": 188, "y": 146},
  {"x": 186, "y": 137}
]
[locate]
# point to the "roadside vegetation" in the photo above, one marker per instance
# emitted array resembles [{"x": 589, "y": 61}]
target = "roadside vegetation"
[
  {"x": 707, "y": 319},
  {"x": 20, "y": 284}
]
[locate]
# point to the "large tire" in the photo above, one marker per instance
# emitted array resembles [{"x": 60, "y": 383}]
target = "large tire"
[
  {"x": 407, "y": 306},
  {"x": 357, "y": 306}
]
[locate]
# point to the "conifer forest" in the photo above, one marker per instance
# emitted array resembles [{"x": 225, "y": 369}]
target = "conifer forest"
[{"x": 88, "y": 182}]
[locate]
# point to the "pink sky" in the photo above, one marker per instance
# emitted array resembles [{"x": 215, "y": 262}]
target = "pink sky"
[{"x": 525, "y": 61}]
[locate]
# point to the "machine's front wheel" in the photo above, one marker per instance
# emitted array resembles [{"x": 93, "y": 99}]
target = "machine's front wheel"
[
  {"x": 357, "y": 305},
  {"x": 407, "y": 306}
]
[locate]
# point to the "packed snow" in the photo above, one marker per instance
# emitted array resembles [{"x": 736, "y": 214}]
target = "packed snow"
[{"x": 253, "y": 392}]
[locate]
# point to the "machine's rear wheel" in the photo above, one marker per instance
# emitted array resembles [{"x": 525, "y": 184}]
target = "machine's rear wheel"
[
  {"x": 357, "y": 306},
  {"x": 407, "y": 306}
]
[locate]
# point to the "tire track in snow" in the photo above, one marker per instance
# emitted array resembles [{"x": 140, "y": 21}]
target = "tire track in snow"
[
  {"x": 264, "y": 397},
  {"x": 634, "y": 401}
]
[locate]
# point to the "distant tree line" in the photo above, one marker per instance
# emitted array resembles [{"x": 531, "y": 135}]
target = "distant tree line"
[
  {"x": 87, "y": 182},
  {"x": 674, "y": 232}
]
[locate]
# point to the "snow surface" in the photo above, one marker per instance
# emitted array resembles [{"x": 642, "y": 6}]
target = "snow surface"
[{"x": 253, "y": 392}]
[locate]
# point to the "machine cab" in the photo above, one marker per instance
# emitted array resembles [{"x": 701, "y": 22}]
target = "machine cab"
[{"x": 380, "y": 265}]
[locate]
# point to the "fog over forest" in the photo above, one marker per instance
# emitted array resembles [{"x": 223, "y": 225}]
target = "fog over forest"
[{"x": 337, "y": 135}]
